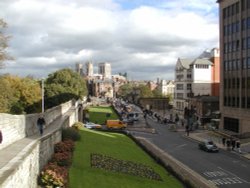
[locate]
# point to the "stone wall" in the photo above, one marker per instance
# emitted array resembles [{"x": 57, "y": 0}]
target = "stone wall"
[
  {"x": 35, "y": 152},
  {"x": 23, "y": 169},
  {"x": 16, "y": 127}
]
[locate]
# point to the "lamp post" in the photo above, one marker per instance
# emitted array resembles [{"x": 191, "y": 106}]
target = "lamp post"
[{"x": 42, "y": 95}]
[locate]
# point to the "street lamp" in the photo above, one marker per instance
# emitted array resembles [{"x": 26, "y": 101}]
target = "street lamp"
[{"x": 42, "y": 95}]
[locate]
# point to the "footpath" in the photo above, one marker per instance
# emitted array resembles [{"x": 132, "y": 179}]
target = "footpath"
[
  {"x": 201, "y": 135},
  {"x": 13, "y": 155}
]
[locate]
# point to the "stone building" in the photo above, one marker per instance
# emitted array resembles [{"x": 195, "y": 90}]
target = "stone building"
[{"x": 103, "y": 84}]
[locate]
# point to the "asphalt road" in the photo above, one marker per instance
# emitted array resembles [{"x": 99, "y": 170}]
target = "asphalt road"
[{"x": 225, "y": 169}]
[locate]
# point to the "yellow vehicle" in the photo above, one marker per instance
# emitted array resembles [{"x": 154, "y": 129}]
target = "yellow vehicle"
[{"x": 115, "y": 124}]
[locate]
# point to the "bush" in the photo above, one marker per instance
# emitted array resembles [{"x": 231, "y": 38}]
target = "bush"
[
  {"x": 53, "y": 176},
  {"x": 70, "y": 133},
  {"x": 65, "y": 146},
  {"x": 77, "y": 125},
  {"x": 62, "y": 159}
]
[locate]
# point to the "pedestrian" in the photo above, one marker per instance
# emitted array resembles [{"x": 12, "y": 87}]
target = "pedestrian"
[
  {"x": 1, "y": 137},
  {"x": 238, "y": 146},
  {"x": 233, "y": 144},
  {"x": 187, "y": 130},
  {"x": 228, "y": 144},
  {"x": 40, "y": 123},
  {"x": 224, "y": 141}
]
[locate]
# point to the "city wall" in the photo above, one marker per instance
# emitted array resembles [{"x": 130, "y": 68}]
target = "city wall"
[
  {"x": 35, "y": 150},
  {"x": 16, "y": 127}
]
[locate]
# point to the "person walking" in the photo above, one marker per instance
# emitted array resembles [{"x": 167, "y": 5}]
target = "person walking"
[
  {"x": 1, "y": 137},
  {"x": 187, "y": 130},
  {"x": 238, "y": 146},
  {"x": 40, "y": 123},
  {"x": 224, "y": 141},
  {"x": 233, "y": 144}
]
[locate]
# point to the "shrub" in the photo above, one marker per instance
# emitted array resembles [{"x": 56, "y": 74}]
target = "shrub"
[
  {"x": 65, "y": 146},
  {"x": 62, "y": 159},
  {"x": 70, "y": 133},
  {"x": 53, "y": 176},
  {"x": 77, "y": 125}
]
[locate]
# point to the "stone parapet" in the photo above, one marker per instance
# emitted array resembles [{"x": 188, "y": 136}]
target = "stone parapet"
[{"x": 184, "y": 172}]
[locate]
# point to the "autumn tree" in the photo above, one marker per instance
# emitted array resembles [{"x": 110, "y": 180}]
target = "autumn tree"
[
  {"x": 3, "y": 44},
  {"x": 19, "y": 95},
  {"x": 64, "y": 85}
]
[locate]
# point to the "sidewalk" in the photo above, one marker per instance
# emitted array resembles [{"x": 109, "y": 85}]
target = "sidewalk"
[{"x": 201, "y": 135}]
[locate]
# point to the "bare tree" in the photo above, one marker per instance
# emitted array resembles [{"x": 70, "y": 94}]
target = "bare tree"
[{"x": 3, "y": 44}]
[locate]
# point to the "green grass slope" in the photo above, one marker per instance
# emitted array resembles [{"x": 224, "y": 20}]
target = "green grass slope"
[{"x": 119, "y": 147}]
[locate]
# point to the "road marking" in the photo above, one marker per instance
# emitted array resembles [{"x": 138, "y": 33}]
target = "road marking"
[
  {"x": 234, "y": 175},
  {"x": 226, "y": 181},
  {"x": 181, "y": 145},
  {"x": 214, "y": 174}
]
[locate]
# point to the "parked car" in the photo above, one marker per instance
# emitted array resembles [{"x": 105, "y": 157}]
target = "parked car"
[
  {"x": 134, "y": 116},
  {"x": 209, "y": 146},
  {"x": 90, "y": 125}
]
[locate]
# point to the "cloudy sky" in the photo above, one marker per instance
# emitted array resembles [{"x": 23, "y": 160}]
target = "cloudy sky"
[{"x": 141, "y": 37}]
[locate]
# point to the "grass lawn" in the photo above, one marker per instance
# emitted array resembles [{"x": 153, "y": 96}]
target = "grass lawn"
[
  {"x": 119, "y": 147},
  {"x": 98, "y": 114}
]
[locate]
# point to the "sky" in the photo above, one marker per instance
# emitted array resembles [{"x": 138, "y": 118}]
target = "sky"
[{"x": 141, "y": 37}]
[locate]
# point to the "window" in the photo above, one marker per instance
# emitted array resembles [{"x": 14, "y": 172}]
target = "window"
[
  {"x": 248, "y": 23},
  {"x": 243, "y": 84},
  {"x": 248, "y": 102},
  {"x": 231, "y": 124},
  {"x": 238, "y": 83},
  {"x": 179, "y": 95},
  {"x": 248, "y": 63},
  {"x": 189, "y": 86},
  {"x": 179, "y": 86},
  {"x": 225, "y": 66},
  {"x": 243, "y": 5},
  {"x": 225, "y": 83},
  {"x": 243, "y": 102},
  {"x": 244, "y": 64},
  {"x": 189, "y": 76},
  {"x": 243, "y": 44},
  {"x": 248, "y": 43},
  {"x": 233, "y": 83},
  {"x": 243, "y": 24}
]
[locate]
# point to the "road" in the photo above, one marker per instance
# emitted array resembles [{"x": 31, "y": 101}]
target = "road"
[{"x": 225, "y": 169}]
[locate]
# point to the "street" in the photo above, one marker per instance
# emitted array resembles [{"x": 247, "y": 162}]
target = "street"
[{"x": 224, "y": 169}]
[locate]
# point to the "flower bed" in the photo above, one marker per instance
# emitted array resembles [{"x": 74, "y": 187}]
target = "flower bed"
[
  {"x": 55, "y": 173},
  {"x": 121, "y": 166}
]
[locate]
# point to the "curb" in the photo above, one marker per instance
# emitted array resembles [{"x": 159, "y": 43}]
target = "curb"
[
  {"x": 184, "y": 173},
  {"x": 246, "y": 156}
]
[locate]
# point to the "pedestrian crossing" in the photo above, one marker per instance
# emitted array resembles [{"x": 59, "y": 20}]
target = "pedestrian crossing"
[{"x": 222, "y": 178}]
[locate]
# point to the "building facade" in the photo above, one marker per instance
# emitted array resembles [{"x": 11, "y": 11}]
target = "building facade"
[
  {"x": 235, "y": 66},
  {"x": 196, "y": 77},
  {"x": 105, "y": 70},
  {"x": 103, "y": 84}
]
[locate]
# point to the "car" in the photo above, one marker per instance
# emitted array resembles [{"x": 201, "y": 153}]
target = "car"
[
  {"x": 209, "y": 146},
  {"x": 90, "y": 125}
]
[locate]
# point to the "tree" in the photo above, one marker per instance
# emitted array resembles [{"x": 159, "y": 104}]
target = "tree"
[
  {"x": 125, "y": 90},
  {"x": 64, "y": 85},
  {"x": 3, "y": 44},
  {"x": 19, "y": 95},
  {"x": 157, "y": 93},
  {"x": 145, "y": 91}
]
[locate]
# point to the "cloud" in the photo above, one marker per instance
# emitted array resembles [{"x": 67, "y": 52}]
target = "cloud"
[{"x": 142, "y": 38}]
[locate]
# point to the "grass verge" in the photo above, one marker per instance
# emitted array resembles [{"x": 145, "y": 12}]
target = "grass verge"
[
  {"x": 117, "y": 146},
  {"x": 98, "y": 114}
]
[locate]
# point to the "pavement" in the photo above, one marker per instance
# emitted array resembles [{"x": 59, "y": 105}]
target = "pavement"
[{"x": 200, "y": 135}]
